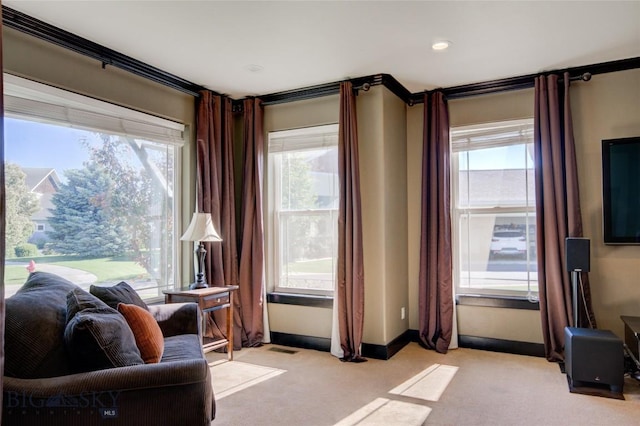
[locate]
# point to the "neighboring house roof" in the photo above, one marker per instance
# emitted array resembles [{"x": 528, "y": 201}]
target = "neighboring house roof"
[
  {"x": 46, "y": 205},
  {"x": 44, "y": 182},
  {"x": 326, "y": 162},
  {"x": 497, "y": 187},
  {"x": 41, "y": 180}
]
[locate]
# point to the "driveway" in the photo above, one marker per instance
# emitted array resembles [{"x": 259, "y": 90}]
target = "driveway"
[{"x": 76, "y": 276}]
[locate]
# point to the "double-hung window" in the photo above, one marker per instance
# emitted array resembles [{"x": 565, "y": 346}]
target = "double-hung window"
[
  {"x": 303, "y": 197},
  {"x": 493, "y": 209},
  {"x": 90, "y": 190}
]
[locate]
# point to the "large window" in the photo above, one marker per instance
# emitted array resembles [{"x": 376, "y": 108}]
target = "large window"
[
  {"x": 493, "y": 216},
  {"x": 303, "y": 206},
  {"x": 90, "y": 190}
]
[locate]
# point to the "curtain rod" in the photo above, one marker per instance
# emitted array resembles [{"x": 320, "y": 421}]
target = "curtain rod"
[
  {"x": 359, "y": 83},
  {"x": 583, "y": 73},
  {"x": 34, "y": 27}
]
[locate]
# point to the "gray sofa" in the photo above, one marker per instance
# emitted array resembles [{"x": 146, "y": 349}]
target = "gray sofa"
[{"x": 50, "y": 381}]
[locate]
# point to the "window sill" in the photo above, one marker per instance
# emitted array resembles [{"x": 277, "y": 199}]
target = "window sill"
[
  {"x": 301, "y": 300},
  {"x": 510, "y": 302}
]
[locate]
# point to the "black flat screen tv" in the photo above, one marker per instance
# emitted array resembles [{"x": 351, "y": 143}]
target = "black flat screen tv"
[{"x": 621, "y": 190}]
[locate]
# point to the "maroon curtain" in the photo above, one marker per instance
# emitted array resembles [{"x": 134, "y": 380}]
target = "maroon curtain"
[
  {"x": 2, "y": 225},
  {"x": 350, "y": 271},
  {"x": 251, "y": 246},
  {"x": 215, "y": 195},
  {"x": 436, "y": 268},
  {"x": 557, "y": 211}
]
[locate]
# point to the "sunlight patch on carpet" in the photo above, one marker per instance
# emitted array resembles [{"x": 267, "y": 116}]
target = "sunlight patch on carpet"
[
  {"x": 384, "y": 412},
  {"x": 229, "y": 377},
  {"x": 428, "y": 384}
]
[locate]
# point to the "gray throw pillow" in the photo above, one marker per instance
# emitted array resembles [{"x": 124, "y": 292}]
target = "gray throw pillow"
[
  {"x": 97, "y": 336},
  {"x": 119, "y": 293},
  {"x": 34, "y": 327}
]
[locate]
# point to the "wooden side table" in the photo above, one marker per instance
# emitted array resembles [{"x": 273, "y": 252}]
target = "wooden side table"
[
  {"x": 209, "y": 299},
  {"x": 632, "y": 333}
]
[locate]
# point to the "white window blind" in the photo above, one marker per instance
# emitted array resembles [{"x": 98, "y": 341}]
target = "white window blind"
[
  {"x": 303, "y": 139},
  {"x": 493, "y": 135},
  {"x": 35, "y": 101}
]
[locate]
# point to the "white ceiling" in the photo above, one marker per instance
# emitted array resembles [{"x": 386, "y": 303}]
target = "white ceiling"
[{"x": 299, "y": 43}]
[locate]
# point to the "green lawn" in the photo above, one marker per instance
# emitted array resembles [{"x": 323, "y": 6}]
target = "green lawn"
[
  {"x": 311, "y": 266},
  {"x": 106, "y": 269},
  {"x": 512, "y": 287},
  {"x": 14, "y": 274}
]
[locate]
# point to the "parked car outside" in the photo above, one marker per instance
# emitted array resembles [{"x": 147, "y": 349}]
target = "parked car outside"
[{"x": 508, "y": 243}]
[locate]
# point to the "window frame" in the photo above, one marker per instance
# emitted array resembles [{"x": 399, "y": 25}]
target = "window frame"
[
  {"x": 32, "y": 101},
  {"x": 457, "y": 212},
  {"x": 273, "y": 228}
]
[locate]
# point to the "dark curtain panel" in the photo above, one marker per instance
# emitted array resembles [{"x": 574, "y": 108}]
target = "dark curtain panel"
[
  {"x": 251, "y": 246},
  {"x": 350, "y": 271},
  {"x": 557, "y": 211},
  {"x": 436, "y": 268},
  {"x": 215, "y": 195},
  {"x": 2, "y": 225}
]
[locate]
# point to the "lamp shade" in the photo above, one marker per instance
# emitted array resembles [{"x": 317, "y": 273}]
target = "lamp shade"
[{"x": 201, "y": 229}]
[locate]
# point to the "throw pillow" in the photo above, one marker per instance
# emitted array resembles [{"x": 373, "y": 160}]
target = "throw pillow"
[
  {"x": 97, "y": 336},
  {"x": 35, "y": 318},
  {"x": 146, "y": 330},
  {"x": 119, "y": 293}
]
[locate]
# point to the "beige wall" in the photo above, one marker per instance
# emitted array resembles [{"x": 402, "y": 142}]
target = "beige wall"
[
  {"x": 606, "y": 107},
  {"x": 34, "y": 59},
  {"x": 396, "y": 290},
  {"x": 382, "y": 150},
  {"x": 414, "y": 200},
  {"x": 47, "y": 63},
  {"x": 371, "y": 151}
]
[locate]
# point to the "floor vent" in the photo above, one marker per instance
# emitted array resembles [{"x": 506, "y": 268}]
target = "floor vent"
[{"x": 283, "y": 350}]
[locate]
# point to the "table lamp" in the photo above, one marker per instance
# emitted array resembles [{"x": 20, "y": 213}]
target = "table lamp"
[{"x": 200, "y": 229}]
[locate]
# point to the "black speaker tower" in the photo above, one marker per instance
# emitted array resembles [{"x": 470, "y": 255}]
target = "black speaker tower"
[
  {"x": 593, "y": 358},
  {"x": 577, "y": 258}
]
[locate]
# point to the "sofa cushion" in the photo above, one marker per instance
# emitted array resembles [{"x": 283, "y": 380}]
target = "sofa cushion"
[
  {"x": 181, "y": 347},
  {"x": 34, "y": 327},
  {"x": 119, "y": 293},
  {"x": 146, "y": 331},
  {"x": 96, "y": 335}
]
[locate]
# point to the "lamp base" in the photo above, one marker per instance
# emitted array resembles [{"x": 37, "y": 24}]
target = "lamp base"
[{"x": 195, "y": 286}]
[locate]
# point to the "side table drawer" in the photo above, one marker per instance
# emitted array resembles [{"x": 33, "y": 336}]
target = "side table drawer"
[
  {"x": 210, "y": 299},
  {"x": 214, "y": 300}
]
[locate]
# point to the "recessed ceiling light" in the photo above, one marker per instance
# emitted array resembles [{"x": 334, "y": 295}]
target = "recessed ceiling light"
[
  {"x": 253, "y": 68},
  {"x": 441, "y": 45}
]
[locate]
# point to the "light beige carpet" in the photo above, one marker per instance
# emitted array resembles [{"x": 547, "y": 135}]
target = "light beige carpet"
[
  {"x": 229, "y": 377},
  {"x": 429, "y": 384},
  {"x": 385, "y": 412},
  {"x": 488, "y": 389}
]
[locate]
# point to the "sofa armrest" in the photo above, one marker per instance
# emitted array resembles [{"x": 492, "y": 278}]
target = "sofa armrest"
[
  {"x": 134, "y": 377},
  {"x": 178, "y": 318},
  {"x": 130, "y": 395}
]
